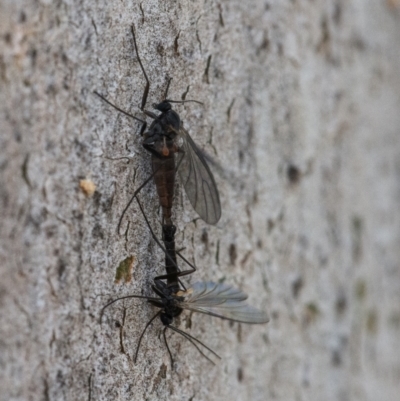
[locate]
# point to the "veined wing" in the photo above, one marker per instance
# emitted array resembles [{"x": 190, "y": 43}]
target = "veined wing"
[
  {"x": 222, "y": 301},
  {"x": 198, "y": 181}
]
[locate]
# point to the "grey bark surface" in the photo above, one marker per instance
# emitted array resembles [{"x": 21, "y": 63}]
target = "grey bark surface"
[{"x": 302, "y": 110}]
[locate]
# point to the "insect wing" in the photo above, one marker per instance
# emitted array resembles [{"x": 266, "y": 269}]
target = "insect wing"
[
  {"x": 222, "y": 301},
  {"x": 198, "y": 181}
]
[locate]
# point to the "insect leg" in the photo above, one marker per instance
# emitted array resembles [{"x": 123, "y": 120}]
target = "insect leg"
[
  {"x": 131, "y": 200},
  {"x": 144, "y": 124},
  {"x": 147, "y": 87},
  {"x": 128, "y": 296},
  {"x": 192, "y": 339},
  {"x": 141, "y": 336},
  {"x": 169, "y": 351}
]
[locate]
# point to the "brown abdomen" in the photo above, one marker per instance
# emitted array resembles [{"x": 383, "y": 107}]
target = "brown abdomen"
[{"x": 164, "y": 178}]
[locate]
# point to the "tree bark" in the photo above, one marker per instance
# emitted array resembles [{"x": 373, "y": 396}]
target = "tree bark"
[{"x": 301, "y": 110}]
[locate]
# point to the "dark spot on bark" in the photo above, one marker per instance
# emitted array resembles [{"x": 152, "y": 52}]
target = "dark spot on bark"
[
  {"x": 88, "y": 41},
  {"x": 77, "y": 214},
  {"x": 217, "y": 253},
  {"x": 60, "y": 378},
  {"x": 64, "y": 58},
  {"x": 221, "y": 19},
  {"x": 336, "y": 359},
  {"x": 358, "y": 43},
  {"x": 297, "y": 285},
  {"x": 17, "y": 136},
  {"x": 46, "y": 390},
  {"x": 275, "y": 315},
  {"x": 24, "y": 168},
  {"x": 232, "y": 254},
  {"x": 264, "y": 44},
  {"x": 341, "y": 304},
  {"x": 176, "y": 44},
  {"x": 118, "y": 324},
  {"x": 239, "y": 332},
  {"x": 160, "y": 49},
  {"x": 361, "y": 290},
  {"x": 240, "y": 375},
  {"x": 357, "y": 231},
  {"x": 97, "y": 231},
  {"x": 163, "y": 371},
  {"x": 241, "y": 156},
  {"x": 311, "y": 312},
  {"x": 293, "y": 174},
  {"x": 96, "y": 199},
  {"x": 206, "y": 71},
  {"x": 188, "y": 324},
  {"x": 51, "y": 89},
  {"x": 325, "y": 38},
  {"x": 337, "y": 13},
  {"x": 33, "y": 55},
  {"x": 228, "y": 111},
  {"x": 141, "y": 10},
  {"x": 51, "y": 231},
  {"x": 204, "y": 237},
  {"x": 61, "y": 268},
  {"x": 7, "y": 37},
  {"x": 372, "y": 322},
  {"x": 270, "y": 225},
  {"x": 22, "y": 17}
]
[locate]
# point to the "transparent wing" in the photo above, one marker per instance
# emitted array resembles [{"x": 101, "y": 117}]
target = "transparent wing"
[
  {"x": 222, "y": 301},
  {"x": 198, "y": 181}
]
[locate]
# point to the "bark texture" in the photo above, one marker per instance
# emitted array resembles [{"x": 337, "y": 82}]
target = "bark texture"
[{"x": 301, "y": 108}]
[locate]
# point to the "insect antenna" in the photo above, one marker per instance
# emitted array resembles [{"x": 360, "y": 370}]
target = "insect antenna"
[
  {"x": 141, "y": 336},
  {"x": 192, "y": 340},
  {"x": 167, "y": 89}
]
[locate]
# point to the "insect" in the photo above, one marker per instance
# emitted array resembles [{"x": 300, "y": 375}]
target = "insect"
[
  {"x": 166, "y": 137},
  {"x": 219, "y": 300}
]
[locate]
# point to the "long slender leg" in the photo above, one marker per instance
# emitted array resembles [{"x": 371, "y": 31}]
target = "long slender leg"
[
  {"x": 147, "y": 87},
  {"x": 144, "y": 124},
  {"x": 197, "y": 340},
  {"x": 169, "y": 351},
  {"x": 141, "y": 336},
  {"x": 190, "y": 339},
  {"x": 131, "y": 200},
  {"x": 126, "y": 297}
]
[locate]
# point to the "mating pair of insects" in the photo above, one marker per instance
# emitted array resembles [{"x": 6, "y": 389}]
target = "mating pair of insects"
[{"x": 173, "y": 150}]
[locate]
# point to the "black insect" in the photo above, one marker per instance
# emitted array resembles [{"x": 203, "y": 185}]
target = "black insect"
[
  {"x": 166, "y": 137},
  {"x": 219, "y": 300}
]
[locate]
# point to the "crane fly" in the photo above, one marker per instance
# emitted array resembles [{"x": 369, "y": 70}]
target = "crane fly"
[
  {"x": 218, "y": 300},
  {"x": 164, "y": 138}
]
